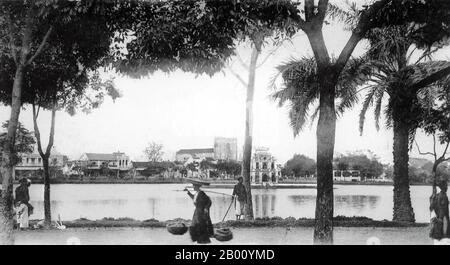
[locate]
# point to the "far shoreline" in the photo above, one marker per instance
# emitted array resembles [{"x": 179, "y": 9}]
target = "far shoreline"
[{"x": 219, "y": 182}]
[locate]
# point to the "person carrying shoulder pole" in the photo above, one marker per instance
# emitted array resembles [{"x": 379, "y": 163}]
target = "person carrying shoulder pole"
[{"x": 240, "y": 194}]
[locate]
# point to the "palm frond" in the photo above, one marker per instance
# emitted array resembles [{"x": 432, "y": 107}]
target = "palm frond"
[
  {"x": 283, "y": 96},
  {"x": 368, "y": 101},
  {"x": 427, "y": 97},
  {"x": 348, "y": 15},
  {"x": 443, "y": 84},
  {"x": 298, "y": 115},
  {"x": 377, "y": 110},
  {"x": 418, "y": 72},
  {"x": 389, "y": 44},
  {"x": 357, "y": 72},
  {"x": 388, "y": 115},
  {"x": 347, "y": 102},
  {"x": 314, "y": 116},
  {"x": 299, "y": 87}
]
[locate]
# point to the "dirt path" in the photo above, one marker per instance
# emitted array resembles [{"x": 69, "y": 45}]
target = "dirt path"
[{"x": 242, "y": 236}]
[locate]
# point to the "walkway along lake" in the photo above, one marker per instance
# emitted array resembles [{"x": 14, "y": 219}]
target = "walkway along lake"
[{"x": 162, "y": 202}]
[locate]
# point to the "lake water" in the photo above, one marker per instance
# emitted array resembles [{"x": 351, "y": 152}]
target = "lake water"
[{"x": 162, "y": 202}]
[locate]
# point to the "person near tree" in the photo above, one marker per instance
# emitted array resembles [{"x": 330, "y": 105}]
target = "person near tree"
[
  {"x": 240, "y": 194},
  {"x": 23, "y": 195},
  {"x": 439, "y": 204}
]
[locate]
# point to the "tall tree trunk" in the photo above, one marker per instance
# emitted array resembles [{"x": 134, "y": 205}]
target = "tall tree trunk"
[
  {"x": 326, "y": 131},
  {"x": 7, "y": 164},
  {"x": 403, "y": 211},
  {"x": 47, "y": 209},
  {"x": 326, "y": 127},
  {"x": 434, "y": 176},
  {"x": 21, "y": 59},
  {"x": 45, "y": 159},
  {"x": 247, "y": 156}
]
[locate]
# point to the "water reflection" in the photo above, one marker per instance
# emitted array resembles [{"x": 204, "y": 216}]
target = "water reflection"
[
  {"x": 161, "y": 202},
  {"x": 357, "y": 202},
  {"x": 264, "y": 204},
  {"x": 353, "y": 204},
  {"x": 116, "y": 202},
  {"x": 153, "y": 204},
  {"x": 220, "y": 206},
  {"x": 302, "y": 199}
]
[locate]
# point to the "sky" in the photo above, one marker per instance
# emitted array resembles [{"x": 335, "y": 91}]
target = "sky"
[{"x": 182, "y": 111}]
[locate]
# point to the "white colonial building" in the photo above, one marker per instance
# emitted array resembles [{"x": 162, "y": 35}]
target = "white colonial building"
[
  {"x": 263, "y": 167},
  {"x": 188, "y": 155},
  {"x": 32, "y": 162},
  {"x": 118, "y": 161},
  {"x": 347, "y": 175}
]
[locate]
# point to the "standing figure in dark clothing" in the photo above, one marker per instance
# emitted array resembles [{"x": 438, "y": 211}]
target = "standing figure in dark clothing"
[
  {"x": 240, "y": 193},
  {"x": 201, "y": 228},
  {"x": 22, "y": 194},
  {"x": 439, "y": 203}
]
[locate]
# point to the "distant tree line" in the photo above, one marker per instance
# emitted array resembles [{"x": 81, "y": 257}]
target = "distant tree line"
[
  {"x": 299, "y": 166},
  {"x": 221, "y": 167},
  {"x": 303, "y": 166},
  {"x": 424, "y": 173},
  {"x": 369, "y": 167}
]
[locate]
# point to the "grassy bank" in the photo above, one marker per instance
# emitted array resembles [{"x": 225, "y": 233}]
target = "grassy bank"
[{"x": 339, "y": 221}]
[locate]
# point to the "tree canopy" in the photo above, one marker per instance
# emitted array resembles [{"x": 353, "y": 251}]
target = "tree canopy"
[
  {"x": 436, "y": 118},
  {"x": 77, "y": 44},
  {"x": 299, "y": 166},
  {"x": 194, "y": 36},
  {"x": 154, "y": 152},
  {"x": 369, "y": 167},
  {"x": 428, "y": 19},
  {"x": 24, "y": 142}
]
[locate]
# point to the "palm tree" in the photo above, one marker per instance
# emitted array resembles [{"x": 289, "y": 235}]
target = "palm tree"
[
  {"x": 374, "y": 15},
  {"x": 408, "y": 87},
  {"x": 300, "y": 88}
]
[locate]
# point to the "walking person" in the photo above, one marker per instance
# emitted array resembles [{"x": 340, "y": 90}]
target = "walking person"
[
  {"x": 439, "y": 204},
  {"x": 240, "y": 194},
  {"x": 23, "y": 195},
  {"x": 201, "y": 228}
]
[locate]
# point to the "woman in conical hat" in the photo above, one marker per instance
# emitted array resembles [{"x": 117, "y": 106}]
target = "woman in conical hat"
[{"x": 201, "y": 228}]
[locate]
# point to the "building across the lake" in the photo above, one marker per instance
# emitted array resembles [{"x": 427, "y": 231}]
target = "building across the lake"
[
  {"x": 31, "y": 163},
  {"x": 163, "y": 169},
  {"x": 263, "y": 167},
  {"x": 347, "y": 175},
  {"x": 185, "y": 155},
  {"x": 225, "y": 148},
  {"x": 118, "y": 161}
]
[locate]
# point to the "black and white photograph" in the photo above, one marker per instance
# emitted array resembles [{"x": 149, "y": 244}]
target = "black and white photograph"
[{"x": 224, "y": 123}]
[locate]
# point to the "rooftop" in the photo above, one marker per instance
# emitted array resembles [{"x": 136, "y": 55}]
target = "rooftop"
[
  {"x": 195, "y": 151},
  {"x": 103, "y": 157},
  {"x": 148, "y": 164},
  {"x": 100, "y": 157}
]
